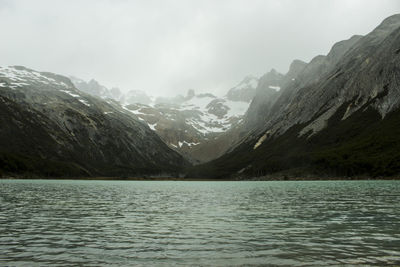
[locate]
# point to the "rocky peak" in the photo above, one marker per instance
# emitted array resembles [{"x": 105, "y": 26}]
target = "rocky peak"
[
  {"x": 353, "y": 72},
  {"x": 265, "y": 95},
  {"x": 92, "y": 87},
  {"x": 190, "y": 94},
  {"x": 389, "y": 24},
  {"x": 136, "y": 96},
  {"x": 56, "y": 122},
  {"x": 244, "y": 91},
  {"x": 270, "y": 79},
  {"x": 295, "y": 68},
  {"x": 340, "y": 114},
  {"x": 383, "y": 29},
  {"x": 93, "y": 82},
  {"x": 340, "y": 48}
]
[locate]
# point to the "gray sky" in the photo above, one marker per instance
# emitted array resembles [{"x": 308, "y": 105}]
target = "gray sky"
[{"x": 168, "y": 46}]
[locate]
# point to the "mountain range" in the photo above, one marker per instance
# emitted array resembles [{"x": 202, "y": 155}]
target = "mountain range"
[
  {"x": 185, "y": 123},
  {"x": 50, "y": 128},
  {"x": 335, "y": 116}
]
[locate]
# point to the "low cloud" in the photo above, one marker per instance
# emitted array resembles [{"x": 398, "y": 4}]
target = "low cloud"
[{"x": 168, "y": 46}]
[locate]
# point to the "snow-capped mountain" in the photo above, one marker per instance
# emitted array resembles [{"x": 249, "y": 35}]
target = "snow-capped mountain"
[
  {"x": 185, "y": 122},
  {"x": 50, "y": 128},
  {"x": 244, "y": 91},
  {"x": 93, "y": 88}
]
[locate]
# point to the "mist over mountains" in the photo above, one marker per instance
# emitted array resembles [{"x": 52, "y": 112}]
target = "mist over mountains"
[
  {"x": 337, "y": 115},
  {"x": 184, "y": 123}
]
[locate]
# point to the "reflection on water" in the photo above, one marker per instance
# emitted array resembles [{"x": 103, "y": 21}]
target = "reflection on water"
[{"x": 94, "y": 223}]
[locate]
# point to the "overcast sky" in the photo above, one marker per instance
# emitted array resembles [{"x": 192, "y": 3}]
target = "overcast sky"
[{"x": 168, "y": 46}]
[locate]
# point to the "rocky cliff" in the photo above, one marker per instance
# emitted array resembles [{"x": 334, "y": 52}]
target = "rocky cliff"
[
  {"x": 187, "y": 124},
  {"x": 336, "y": 115}
]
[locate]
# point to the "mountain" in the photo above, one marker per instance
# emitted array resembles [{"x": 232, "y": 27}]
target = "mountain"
[
  {"x": 196, "y": 120},
  {"x": 49, "y": 128},
  {"x": 92, "y": 87},
  {"x": 259, "y": 92},
  {"x": 244, "y": 91},
  {"x": 338, "y": 115},
  {"x": 266, "y": 93},
  {"x": 187, "y": 123},
  {"x": 136, "y": 96}
]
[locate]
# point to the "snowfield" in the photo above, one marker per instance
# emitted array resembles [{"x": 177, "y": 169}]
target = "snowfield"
[{"x": 20, "y": 77}]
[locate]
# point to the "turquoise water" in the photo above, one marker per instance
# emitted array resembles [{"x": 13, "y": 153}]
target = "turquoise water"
[{"x": 169, "y": 223}]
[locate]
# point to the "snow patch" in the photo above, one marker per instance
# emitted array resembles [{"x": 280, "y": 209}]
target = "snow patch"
[
  {"x": 70, "y": 93},
  {"x": 197, "y": 102},
  {"x": 24, "y": 77},
  {"x": 84, "y": 102},
  {"x": 276, "y": 88},
  {"x": 189, "y": 144},
  {"x": 152, "y": 126},
  {"x": 236, "y": 108}
]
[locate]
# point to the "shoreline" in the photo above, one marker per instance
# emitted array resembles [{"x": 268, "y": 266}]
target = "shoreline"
[{"x": 269, "y": 178}]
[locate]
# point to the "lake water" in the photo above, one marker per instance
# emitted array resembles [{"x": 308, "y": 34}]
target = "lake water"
[{"x": 169, "y": 223}]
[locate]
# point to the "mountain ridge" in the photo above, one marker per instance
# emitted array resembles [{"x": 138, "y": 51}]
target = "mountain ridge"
[
  {"x": 337, "y": 115},
  {"x": 46, "y": 120},
  {"x": 357, "y": 81},
  {"x": 186, "y": 123}
]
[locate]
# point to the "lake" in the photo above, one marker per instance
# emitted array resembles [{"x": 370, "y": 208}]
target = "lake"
[{"x": 169, "y": 223}]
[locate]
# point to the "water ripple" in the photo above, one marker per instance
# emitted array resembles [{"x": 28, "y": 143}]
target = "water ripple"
[{"x": 114, "y": 223}]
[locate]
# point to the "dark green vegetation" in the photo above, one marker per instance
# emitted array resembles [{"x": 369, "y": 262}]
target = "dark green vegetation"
[
  {"x": 362, "y": 145},
  {"x": 49, "y": 129},
  {"x": 338, "y": 116},
  {"x": 26, "y": 166}
]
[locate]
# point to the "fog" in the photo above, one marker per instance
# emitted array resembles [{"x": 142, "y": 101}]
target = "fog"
[{"x": 169, "y": 46}]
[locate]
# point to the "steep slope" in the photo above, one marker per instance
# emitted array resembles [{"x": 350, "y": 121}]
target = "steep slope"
[
  {"x": 265, "y": 95},
  {"x": 338, "y": 116},
  {"x": 188, "y": 123},
  {"x": 93, "y": 88},
  {"x": 265, "y": 92},
  {"x": 196, "y": 120},
  {"x": 244, "y": 91},
  {"x": 47, "y": 122}
]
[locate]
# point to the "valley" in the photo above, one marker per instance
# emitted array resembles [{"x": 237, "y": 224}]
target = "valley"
[{"x": 335, "y": 116}]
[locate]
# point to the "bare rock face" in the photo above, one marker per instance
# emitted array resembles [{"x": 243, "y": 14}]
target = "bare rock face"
[
  {"x": 189, "y": 124},
  {"x": 47, "y": 121},
  {"x": 244, "y": 91},
  {"x": 93, "y": 88},
  {"x": 266, "y": 93},
  {"x": 339, "y": 112},
  {"x": 353, "y": 71},
  {"x": 185, "y": 123}
]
